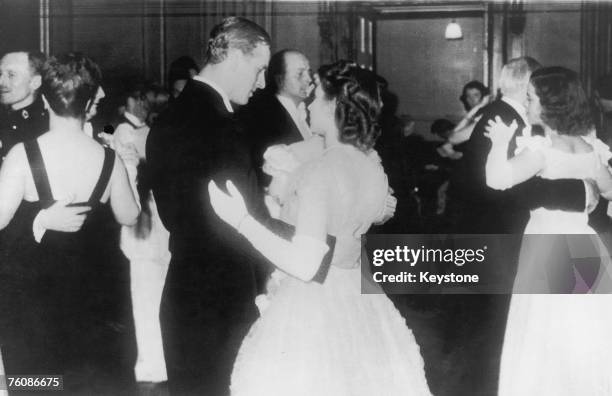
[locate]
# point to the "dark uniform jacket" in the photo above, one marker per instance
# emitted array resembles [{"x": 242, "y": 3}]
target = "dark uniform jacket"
[{"x": 17, "y": 126}]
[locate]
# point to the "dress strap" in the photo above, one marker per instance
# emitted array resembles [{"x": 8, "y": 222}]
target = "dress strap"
[
  {"x": 107, "y": 170},
  {"x": 39, "y": 172}
]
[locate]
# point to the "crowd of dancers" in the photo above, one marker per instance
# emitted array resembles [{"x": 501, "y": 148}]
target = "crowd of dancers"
[{"x": 233, "y": 207}]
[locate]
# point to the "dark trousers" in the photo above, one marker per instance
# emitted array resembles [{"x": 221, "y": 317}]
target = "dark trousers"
[{"x": 202, "y": 330}]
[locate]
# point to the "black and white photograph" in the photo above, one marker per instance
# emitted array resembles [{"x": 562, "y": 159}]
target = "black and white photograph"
[{"x": 304, "y": 198}]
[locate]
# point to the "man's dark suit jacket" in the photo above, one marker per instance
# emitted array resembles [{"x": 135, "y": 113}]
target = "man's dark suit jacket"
[
  {"x": 17, "y": 126},
  {"x": 268, "y": 123},
  {"x": 489, "y": 211},
  {"x": 208, "y": 300}
]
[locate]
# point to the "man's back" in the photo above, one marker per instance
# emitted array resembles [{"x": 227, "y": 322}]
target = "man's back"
[{"x": 485, "y": 210}]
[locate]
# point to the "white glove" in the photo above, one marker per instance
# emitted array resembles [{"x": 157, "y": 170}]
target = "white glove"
[
  {"x": 301, "y": 257},
  {"x": 498, "y": 170},
  {"x": 388, "y": 211},
  {"x": 500, "y": 133},
  {"x": 229, "y": 207}
]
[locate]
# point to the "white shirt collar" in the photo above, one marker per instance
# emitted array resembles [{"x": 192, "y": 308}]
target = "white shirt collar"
[
  {"x": 88, "y": 129},
  {"x": 226, "y": 101},
  {"x": 133, "y": 119},
  {"x": 297, "y": 113},
  {"x": 520, "y": 109}
]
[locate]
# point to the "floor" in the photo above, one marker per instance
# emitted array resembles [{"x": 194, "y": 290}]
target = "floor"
[
  {"x": 460, "y": 338},
  {"x": 153, "y": 389}
]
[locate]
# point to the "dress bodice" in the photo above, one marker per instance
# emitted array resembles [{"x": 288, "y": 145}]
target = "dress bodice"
[
  {"x": 563, "y": 165},
  {"x": 99, "y": 231},
  {"x": 351, "y": 187}
]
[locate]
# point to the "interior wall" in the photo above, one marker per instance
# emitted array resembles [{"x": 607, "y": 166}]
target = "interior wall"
[
  {"x": 141, "y": 37},
  {"x": 19, "y": 25},
  {"x": 295, "y": 25},
  {"x": 552, "y": 33},
  {"x": 111, "y": 33},
  {"x": 426, "y": 71}
]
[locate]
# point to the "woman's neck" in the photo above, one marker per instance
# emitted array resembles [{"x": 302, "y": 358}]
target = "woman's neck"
[
  {"x": 555, "y": 135},
  {"x": 332, "y": 138},
  {"x": 65, "y": 124}
]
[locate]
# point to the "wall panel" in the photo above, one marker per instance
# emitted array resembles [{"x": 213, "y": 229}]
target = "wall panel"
[{"x": 424, "y": 69}]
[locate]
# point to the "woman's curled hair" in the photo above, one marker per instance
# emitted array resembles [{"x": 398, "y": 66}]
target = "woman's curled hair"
[
  {"x": 70, "y": 81},
  {"x": 565, "y": 106},
  {"x": 358, "y": 102}
]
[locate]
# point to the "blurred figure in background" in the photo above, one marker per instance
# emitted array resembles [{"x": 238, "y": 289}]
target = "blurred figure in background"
[
  {"x": 394, "y": 148},
  {"x": 475, "y": 95},
  {"x": 146, "y": 243},
  {"x": 181, "y": 70},
  {"x": 157, "y": 98}
]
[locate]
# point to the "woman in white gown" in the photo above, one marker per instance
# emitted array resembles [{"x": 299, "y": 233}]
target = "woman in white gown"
[
  {"x": 555, "y": 344},
  {"x": 327, "y": 338}
]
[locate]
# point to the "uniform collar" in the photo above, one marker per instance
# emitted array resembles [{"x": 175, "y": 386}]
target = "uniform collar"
[{"x": 34, "y": 109}]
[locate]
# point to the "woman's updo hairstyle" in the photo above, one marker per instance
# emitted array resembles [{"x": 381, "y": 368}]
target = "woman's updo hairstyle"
[
  {"x": 358, "y": 101},
  {"x": 69, "y": 82},
  {"x": 565, "y": 105}
]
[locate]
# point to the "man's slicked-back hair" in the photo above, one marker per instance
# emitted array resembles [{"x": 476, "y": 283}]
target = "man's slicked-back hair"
[
  {"x": 234, "y": 32},
  {"x": 515, "y": 74}
]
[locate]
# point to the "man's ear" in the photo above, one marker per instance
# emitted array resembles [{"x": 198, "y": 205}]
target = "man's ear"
[
  {"x": 279, "y": 82},
  {"x": 36, "y": 82}
]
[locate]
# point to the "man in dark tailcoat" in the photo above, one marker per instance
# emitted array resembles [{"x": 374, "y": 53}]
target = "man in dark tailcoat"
[
  {"x": 277, "y": 115},
  {"x": 208, "y": 300}
]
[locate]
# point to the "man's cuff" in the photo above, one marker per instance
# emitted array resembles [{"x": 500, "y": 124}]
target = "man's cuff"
[{"x": 37, "y": 228}]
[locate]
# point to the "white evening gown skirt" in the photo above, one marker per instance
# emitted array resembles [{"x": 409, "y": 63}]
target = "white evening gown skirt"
[
  {"x": 329, "y": 339},
  {"x": 556, "y": 344}
]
